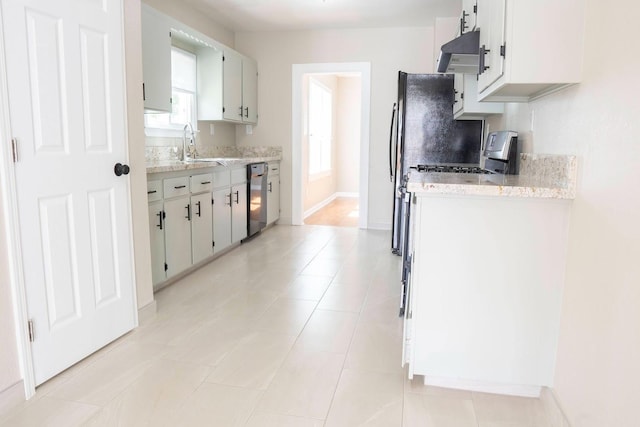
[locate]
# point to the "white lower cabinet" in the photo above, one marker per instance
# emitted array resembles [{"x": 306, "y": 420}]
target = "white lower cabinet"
[
  {"x": 238, "y": 212},
  {"x": 156, "y": 235},
  {"x": 177, "y": 235},
  {"x": 273, "y": 193},
  {"x": 201, "y": 227},
  {"x": 221, "y": 219}
]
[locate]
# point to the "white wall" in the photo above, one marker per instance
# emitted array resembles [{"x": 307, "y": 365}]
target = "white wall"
[
  {"x": 348, "y": 135},
  {"x": 597, "y": 378},
  {"x": 389, "y": 50}
]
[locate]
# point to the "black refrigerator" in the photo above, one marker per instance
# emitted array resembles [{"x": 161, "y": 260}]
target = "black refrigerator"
[{"x": 424, "y": 132}]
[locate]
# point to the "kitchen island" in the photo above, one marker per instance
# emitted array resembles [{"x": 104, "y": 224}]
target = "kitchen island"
[{"x": 487, "y": 275}]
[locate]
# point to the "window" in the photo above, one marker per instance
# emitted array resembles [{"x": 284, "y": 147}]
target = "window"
[
  {"x": 320, "y": 115},
  {"x": 183, "y": 97}
]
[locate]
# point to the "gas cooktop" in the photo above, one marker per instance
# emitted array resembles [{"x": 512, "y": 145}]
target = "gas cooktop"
[{"x": 451, "y": 169}]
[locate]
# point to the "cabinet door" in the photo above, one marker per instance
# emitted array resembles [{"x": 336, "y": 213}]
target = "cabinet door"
[
  {"x": 156, "y": 62},
  {"x": 273, "y": 199},
  {"x": 238, "y": 212},
  {"x": 232, "y": 77},
  {"x": 221, "y": 219},
  {"x": 156, "y": 234},
  {"x": 177, "y": 235},
  {"x": 468, "y": 16},
  {"x": 210, "y": 84},
  {"x": 201, "y": 227},
  {"x": 249, "y": 90},
  {"x": 491, "y": 22}
]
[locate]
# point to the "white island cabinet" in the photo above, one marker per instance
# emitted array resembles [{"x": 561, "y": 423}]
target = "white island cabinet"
[
  {"x": 486, "y": 288},
  {"x": 528, "y": 48}
]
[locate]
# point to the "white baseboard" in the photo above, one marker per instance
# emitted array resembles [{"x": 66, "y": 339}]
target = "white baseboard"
[
  {"x": 147, "y": 312},
  {"x": 319, "y": 206},
  {"x": 384, "y": 226},
  {"x": 11, "y": 398},
  {"x": 553, "y": 408},
  {"x": 484, "y": 386}
]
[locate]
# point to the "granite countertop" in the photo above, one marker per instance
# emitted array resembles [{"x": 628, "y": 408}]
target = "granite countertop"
[
  {"x": 177, "y": 165},
  {"x": 541, "y": 176}
]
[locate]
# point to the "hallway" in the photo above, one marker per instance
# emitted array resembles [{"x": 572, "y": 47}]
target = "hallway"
[{"x": 341, "y": 212}]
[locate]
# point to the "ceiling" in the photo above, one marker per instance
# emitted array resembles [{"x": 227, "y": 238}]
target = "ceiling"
[{"x": 283, "y": 15}]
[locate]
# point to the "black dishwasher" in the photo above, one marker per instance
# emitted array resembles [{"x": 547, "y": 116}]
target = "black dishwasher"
[{"x": 257, "y": 206}]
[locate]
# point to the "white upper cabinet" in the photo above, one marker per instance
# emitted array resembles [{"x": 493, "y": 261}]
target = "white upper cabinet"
[
  {"x": 156, "y": 61},
  {"x": 249, "y": 90},
  {"x": 466, "y": 105},
  {"x": 232, "y": 93},
  {"x": 528, "y": 48},
  {"x": 227, "y": 86},
  {"x": 467, "y": 17}
]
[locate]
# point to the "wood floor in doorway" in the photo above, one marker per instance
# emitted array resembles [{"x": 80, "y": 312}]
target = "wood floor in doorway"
[{"x": 342, "y": 212}]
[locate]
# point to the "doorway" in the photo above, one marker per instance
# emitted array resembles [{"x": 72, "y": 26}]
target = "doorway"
[{"x": 330, "y": 175}]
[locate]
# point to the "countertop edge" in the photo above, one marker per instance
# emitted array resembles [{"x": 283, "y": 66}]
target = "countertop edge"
[
  {"x": 173, "y": 166},
  {"x": 422, "y": 189}
]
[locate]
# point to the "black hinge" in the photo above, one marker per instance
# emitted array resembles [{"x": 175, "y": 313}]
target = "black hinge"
[
  {"x": 223, "y": 57},
  {"x": 223, "y": 110},
  {"x": 213, "y": 202},
  {"x": 475, "y": 8},
  {"x": 14, "y": 149},
  {"x": 32, "y": 333},
  {"x": 170, "y": 35},
  {"x": 170, "y": 100},
  {"x": 502, "y": 50},
  {"x": 166, "y": 267},
  {"x": 214, "y": 244}
]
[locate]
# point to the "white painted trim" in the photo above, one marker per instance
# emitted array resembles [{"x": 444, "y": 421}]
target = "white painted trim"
[
  {"x": 11, "y": 398},
  {"x": 297, "y": 72},
  {"x": 319, "y": 206},
  {"x": 484, "y": 386},
  {"x": 12, "y": 231}
]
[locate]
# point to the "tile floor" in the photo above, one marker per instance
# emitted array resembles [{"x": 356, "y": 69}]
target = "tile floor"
[
  {"x": 297, "y": 328},
  {"x": 342, "y": 212}
]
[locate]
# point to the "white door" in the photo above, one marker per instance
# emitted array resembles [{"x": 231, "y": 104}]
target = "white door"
[
  {"x": 492, "y": 21},
  {"x": 232, "y": 90},
  {"x": 66, "y": 96},
  {"x": 249, "y": 90}
]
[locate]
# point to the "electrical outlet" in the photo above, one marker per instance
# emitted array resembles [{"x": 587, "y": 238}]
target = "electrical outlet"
[{"x": 249, "y": 130}]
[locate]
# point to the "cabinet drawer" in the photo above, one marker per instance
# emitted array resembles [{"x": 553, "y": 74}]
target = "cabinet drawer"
[
  {"x": 238, "y": 176},
  {"x": 274, "y": 168},
  {"x": 221, "y": 178},
  {"x": 176, "y": 187},
  {"x": 201, "y": 183},
  {"x": 154, "y": 190}
]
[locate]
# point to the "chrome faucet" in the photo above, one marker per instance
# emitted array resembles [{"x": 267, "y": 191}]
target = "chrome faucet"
[{"x": 190, "y": 151}]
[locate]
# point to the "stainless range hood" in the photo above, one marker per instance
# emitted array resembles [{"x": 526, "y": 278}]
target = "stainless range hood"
[{"x": 460, "y": 55}]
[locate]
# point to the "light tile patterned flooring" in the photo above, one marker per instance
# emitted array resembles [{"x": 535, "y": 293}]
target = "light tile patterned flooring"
[
  {"x": 341, "y": 212},
  {"x": 297, "y": 328}
]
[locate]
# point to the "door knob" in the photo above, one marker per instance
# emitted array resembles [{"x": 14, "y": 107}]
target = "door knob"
[{"x": 120, "y": 169}]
